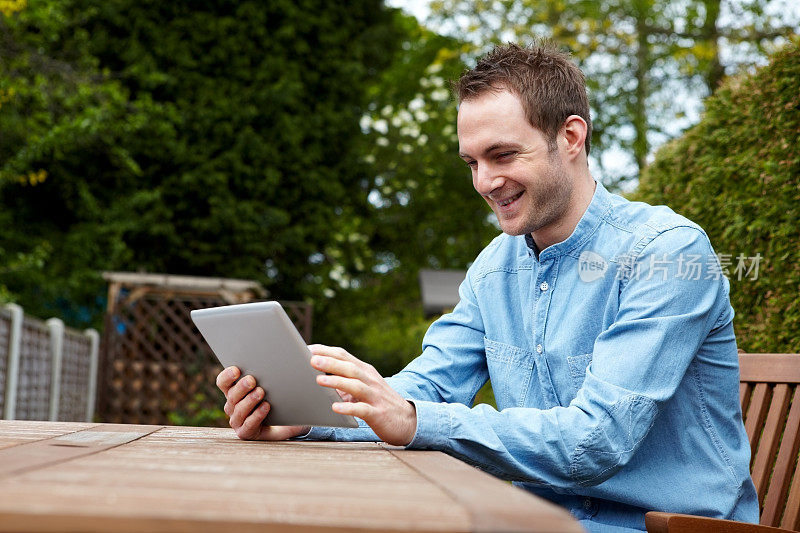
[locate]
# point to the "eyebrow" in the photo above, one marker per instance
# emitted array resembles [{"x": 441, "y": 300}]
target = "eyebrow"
[{"x": 493, "y": 147}]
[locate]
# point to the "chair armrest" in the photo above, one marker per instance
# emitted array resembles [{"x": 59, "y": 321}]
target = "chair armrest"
[{"x": 684, "y": 523}]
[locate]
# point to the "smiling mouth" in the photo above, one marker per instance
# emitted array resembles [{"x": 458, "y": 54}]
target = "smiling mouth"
[{"x": 509, "y": 200}]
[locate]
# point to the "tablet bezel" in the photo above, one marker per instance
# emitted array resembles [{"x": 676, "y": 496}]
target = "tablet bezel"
[{"x": 262, "y": 341}]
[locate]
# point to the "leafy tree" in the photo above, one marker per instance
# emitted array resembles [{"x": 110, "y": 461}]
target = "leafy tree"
[
  {"x": 737, "y": 173},
  {"x": 208, "y": 138},
  {"x": 52, "y": 107},
  {"x": 648, "y": 62},
  {"x": 423, "y": 205},
  {"x": 423, "y": 211}
]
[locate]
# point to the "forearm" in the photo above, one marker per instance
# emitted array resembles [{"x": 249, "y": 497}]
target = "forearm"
[{"x": 578, "y": 445}]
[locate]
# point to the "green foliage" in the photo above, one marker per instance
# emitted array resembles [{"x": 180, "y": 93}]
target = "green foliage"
[
  {"x": 308, "y": 146},
  {"x": 196, "y": 414},
  {"x": 9, "y": 7},
  {"x": 737, "y": 174},
  {"x": 648, "y": 63},
  {"x": 486, "y": 395},
  {"x": 423, "y": 211},
  {"x": 52, "y": 107},
  {"x": 383, "y": 325},
  {"x": 213, "y": 138}
]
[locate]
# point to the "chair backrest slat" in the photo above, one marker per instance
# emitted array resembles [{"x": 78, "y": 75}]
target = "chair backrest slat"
[
  {"x": 745, "y": 390},
  {"x": 770, "y": 398},
  {"x": 791, "y": 517},
  {"x": 769, "y": 367},
  {"x": 756, "y": 414},
  {"x": 773, "y": 428},
  {"x": 768, "y": 448},
  {"x": 786, "y": 468}
]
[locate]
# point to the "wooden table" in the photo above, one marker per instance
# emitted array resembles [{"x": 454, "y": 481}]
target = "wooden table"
[{"x": 57, "y": 476}]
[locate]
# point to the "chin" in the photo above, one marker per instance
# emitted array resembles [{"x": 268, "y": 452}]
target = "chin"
[
  {"x": 522, "y": 223},
  {"x": 521, "y": 228},
  {"x": 513, "y": 230}
]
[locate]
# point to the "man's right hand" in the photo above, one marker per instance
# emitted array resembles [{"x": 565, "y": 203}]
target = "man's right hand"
[{"x": 247, "y": 411}]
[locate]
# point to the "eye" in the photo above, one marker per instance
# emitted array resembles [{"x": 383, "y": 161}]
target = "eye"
[
  {"x": 471, "y": 163},
  {"x": 505, "y": 155}
]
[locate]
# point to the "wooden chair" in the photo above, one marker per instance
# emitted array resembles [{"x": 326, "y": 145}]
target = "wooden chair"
[{"x": 770, "y": 398}]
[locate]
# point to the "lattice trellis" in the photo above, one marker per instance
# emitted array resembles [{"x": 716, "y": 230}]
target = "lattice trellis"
[{"x": 155, "y": 362}]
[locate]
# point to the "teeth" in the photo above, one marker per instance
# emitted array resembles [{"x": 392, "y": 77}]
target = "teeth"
[{"x": 507, "y": 201}]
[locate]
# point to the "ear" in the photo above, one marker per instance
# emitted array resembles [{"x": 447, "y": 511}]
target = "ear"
[{"x": 572, "y": 136}]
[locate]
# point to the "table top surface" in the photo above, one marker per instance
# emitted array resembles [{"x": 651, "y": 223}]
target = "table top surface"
[{"x": 60, "y": 476}]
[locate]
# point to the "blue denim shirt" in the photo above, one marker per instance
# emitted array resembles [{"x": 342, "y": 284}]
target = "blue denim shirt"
[{"x": 613, "y": 361}]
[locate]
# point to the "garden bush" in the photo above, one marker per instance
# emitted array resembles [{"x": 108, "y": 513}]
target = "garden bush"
[{"x": 737, "y": 174}]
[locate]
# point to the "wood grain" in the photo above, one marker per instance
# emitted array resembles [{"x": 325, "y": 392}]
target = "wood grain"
[
  {"x": 764, "y": 460},
  {"x": 494, "y": 505},
  {"x": 205, "y": 479},
  {"x": 769, "y": 367},
  {"x": 756, "y": 413},
  {"x": 67, "y": 446}
]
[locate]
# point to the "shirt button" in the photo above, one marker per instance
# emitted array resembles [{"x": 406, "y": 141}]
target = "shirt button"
[
  {"x": 544, "y": 286},
  {"x": 539, "y": 348},
  {"x": 587, "y": 504}
]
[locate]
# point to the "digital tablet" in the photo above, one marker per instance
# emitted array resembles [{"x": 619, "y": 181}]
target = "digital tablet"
[{"x": 261, "y": 340}]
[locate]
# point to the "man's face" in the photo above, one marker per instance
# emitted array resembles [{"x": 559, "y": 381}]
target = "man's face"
[{"x": 519, "y": 175}]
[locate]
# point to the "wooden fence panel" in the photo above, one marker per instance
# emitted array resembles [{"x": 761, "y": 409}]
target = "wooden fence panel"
[
  {"x": 75, "y": 377},
  {"x": 35, "y": 372},
  {"x": 32, "y": 354}
]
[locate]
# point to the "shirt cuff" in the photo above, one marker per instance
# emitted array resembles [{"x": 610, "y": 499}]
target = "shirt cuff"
[
  {"x": 316, "y": 433},
  {"x": 433, "y": 426}
]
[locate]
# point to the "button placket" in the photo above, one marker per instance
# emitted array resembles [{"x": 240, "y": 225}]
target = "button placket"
[
  {"x": 543, "y": 301},
  {"x": 543, "y": 296}
]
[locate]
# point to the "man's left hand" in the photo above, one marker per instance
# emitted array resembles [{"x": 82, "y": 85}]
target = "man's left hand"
[{"x": 367, "y": 395}]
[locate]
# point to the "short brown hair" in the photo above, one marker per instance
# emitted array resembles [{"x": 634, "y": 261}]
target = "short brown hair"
[{"x": 550, "y": 86}]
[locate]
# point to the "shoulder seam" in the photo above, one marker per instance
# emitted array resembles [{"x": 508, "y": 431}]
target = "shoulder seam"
[{"x": 651, "y": 235}]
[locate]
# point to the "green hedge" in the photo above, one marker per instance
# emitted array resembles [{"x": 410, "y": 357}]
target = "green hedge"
[{"x": 737, "y": 174}]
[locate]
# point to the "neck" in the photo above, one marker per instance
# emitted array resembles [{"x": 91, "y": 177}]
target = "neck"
[{"x": 561, "y": 229}]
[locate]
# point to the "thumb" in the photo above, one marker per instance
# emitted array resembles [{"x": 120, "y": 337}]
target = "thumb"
[{"x": 274, "y": 433}]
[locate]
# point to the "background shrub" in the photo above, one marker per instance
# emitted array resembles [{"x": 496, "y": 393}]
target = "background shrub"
[{"x": 737, "y": 174}]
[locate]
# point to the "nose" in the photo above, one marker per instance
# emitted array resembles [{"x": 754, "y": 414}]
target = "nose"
[{"x": 485, "y": 180}]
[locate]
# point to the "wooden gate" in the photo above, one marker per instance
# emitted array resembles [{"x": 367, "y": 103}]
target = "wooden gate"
[{"x": 154, "y": 361}]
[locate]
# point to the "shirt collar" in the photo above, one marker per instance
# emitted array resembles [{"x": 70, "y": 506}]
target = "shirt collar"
[
  {"x": 532, "y": 245},
  {"x": 588, "y": 223}
]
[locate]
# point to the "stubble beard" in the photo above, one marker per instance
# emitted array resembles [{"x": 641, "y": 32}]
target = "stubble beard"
[{"x": 549, "y": 199}]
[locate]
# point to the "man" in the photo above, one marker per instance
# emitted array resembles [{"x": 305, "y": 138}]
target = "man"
[{"x": 604, "y": 325}]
